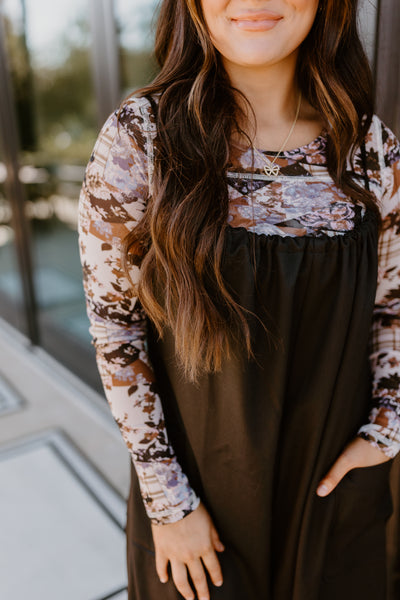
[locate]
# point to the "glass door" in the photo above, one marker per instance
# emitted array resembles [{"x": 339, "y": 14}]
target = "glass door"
[
  {"x": 48, "y": 47},
  {"x": 71, "y": 62},
  {"x": 135, "y": 21}
]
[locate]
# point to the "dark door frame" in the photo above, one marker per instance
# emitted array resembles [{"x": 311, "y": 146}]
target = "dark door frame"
[
  {"x": 387, "y": 64},
  {"x": 16, "y": 194},
  {"x": 105, "y": 73},
  {"x": 387, "y": 78}
]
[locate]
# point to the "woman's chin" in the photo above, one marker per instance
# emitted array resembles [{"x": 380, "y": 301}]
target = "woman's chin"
[{"x": 254, "y": 59}]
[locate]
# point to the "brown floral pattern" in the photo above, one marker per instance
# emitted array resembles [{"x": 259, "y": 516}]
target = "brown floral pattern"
[{"x": 302, "y": 200}]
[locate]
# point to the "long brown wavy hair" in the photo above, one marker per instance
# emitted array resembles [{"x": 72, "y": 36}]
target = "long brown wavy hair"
[{"x": 181, "y": 235}]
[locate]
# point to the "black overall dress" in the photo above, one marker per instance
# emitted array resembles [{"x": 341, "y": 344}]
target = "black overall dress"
[{"x": 255, "y": 439}]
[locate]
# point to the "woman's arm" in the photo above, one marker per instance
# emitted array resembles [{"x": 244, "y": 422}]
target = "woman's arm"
[
  {"x": 379, "y": 440},
  {"x": 112, "y": 200},
  {"x": 383, "y": 429}
]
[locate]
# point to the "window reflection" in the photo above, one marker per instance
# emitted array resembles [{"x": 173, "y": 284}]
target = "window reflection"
[
  {"x": 11, "y": 298},
  {"x": 49, "y": 50},
  {"x": 49, "y": 46},
  {"x": 135, "y": 21}
]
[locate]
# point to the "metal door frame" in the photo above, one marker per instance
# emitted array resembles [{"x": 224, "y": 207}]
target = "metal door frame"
[
  {"x": 106, "y": 78},
  {"x": 16, "y": 193}
]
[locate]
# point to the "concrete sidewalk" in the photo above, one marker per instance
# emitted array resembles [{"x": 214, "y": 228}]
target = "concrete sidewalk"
[{"x": 64, "y": 473}]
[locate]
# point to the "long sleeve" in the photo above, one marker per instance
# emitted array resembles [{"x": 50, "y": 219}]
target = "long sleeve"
[
  {"x": 112, "y": 201},
  {"x": 383, "y": 428}
]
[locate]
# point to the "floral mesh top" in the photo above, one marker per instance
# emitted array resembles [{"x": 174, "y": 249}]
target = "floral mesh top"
[{"x": 302, "y": 200}]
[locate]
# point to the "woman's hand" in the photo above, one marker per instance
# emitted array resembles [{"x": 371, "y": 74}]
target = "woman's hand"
[
  {"x": 358, "y": 453},
  {"x": 189, "y": 543}
]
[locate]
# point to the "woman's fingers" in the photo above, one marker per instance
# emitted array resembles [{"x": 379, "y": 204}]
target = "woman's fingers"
[
  {"x": 334, "y": 475},
  {"x": 218, "y": 545},
  {"x": 199, "y": 579},
  {"x": 189, "y": 544},
  {"x": 197, "y": 573},
  {"x": 162, "y": 567},
  {"x": 179, "y": 575},
  {"x": 212, "y": 565}
]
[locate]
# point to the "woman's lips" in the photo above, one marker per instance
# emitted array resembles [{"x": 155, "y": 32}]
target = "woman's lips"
[{"x": 256, "y": 21}]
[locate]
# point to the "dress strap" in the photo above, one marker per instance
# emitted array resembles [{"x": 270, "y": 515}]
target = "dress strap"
[
  {"x": 365, "y": 168},
  {"x": 150, "y": 130}
]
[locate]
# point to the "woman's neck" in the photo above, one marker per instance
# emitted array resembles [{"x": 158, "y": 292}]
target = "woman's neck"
[{"x": 273, "y": 95}]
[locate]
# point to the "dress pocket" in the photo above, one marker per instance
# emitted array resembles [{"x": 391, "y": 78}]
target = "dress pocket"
[
  {"x": 357, "y": 546},
  {"x": 363, "y": 498},
  {"x": 369, "y": 486}
]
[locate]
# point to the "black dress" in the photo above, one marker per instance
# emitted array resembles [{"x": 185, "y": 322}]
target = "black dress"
[{"x": 255, "y": 439}]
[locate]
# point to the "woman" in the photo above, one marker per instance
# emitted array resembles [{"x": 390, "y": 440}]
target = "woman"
[{"x": 235, "y": 218}]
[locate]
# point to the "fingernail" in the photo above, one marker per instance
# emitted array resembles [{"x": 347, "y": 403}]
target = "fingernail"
[
  {"x": 322, "y": 490},
  {"x": 163, "y": 580},
  {"x": 221, "y": 547},
  {"x": 219, "y": 583}
]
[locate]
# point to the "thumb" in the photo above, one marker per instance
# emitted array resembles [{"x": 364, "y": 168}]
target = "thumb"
[
  {"x": 216, "y": 542},
  {"x": 333, "y": 476}
]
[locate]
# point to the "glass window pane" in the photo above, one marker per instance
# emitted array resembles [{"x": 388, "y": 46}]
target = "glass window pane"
[
  {"x": 56, "y": 108},
  {"x": 368, "y": 15},
  {"x": 49, "y": 48},
  {"x": 11, "y": 297},
  {"x": 136, "y": 21}
]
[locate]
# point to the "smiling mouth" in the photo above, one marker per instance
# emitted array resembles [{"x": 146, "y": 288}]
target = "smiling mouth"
[{"x": 260, "y": 21}]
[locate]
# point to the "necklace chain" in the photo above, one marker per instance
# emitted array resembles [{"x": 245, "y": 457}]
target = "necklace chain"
[{"x": 271, "y": 169}]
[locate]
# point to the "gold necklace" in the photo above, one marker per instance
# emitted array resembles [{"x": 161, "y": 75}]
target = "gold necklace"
[{"x": 271, "y": 169}]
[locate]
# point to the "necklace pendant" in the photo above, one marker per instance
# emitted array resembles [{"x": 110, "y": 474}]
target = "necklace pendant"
[{"x": 271, "y": 170}]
